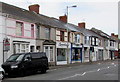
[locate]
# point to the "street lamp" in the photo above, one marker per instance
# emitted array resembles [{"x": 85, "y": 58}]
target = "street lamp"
[{"x": 67, "y": 31}]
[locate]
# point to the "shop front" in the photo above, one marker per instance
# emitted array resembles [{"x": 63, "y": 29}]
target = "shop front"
[
  {"x": 76, "y": 53},
  {"x": 63, "y": 53}
]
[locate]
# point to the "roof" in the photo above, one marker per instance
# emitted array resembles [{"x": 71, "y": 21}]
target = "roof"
[
  {"x": 86, "y": 32},
  {"x": 101, "y": 33},
  {"x": 29, "y": 16}
]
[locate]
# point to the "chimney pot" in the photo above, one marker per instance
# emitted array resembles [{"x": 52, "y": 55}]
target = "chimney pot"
[
  {"x": 116, "y": 36},
  {"x": 34, "y": 8},
  {"x": 112, "y": 34}
]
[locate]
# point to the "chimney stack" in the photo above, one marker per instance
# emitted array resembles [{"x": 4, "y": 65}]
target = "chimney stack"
[
  {"x": 112, "y": 34},
  {"x": 34, "y": 8},
  {"x": 63, "y": 18},
  {"x": 81, "y": 25},
  {"x": 116, "y": 36}
]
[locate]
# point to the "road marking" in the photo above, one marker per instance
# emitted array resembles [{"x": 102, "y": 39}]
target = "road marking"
[
  {"x": 83, "y": 73},
  {"x": 91, "y": 71},
  {"x": 70, "y": 77},
  {"x": 98, "y": 70}
]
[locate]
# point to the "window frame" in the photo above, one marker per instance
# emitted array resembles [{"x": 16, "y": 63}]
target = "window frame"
[
  {"x": 47, "y": 33},
  {"x": 62, "y": 34},
  {"x": 32, "y": 31},
  {"x": 22, "y": 28}
]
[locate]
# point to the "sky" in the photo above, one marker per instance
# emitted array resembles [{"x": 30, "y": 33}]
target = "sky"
[{"x": 100, "y": 14}]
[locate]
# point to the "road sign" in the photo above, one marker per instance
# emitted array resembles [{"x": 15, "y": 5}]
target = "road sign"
[{"x": 6, "y": 45}]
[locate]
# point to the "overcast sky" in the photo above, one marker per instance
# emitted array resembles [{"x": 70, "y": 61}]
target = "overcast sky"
[{"x": 101, "y": 14}]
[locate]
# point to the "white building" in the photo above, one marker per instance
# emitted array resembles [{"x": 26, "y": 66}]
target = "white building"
[{"x": 17, "y": 29}]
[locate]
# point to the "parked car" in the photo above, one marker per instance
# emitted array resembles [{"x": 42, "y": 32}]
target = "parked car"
[
  {"x": 2, "y": 72},
  {"x": 24, "y": 63}
]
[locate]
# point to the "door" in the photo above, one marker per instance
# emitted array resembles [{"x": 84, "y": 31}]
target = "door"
[{"x": 49, "y": 53}]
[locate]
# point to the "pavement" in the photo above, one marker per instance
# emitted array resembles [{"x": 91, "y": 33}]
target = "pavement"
[
  {"x": 78, "y": 63},
  {"x": 100, "y": 70}
]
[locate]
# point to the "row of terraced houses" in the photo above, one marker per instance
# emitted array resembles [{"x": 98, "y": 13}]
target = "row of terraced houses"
[{"x": 30, "y": 31}]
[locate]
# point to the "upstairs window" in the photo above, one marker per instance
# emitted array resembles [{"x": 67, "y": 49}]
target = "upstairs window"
[
  {"x": 93, "y": 41},
  {"x": 19, "y": 29},
  {"x": 61, "y": 35},
  {"x": 112, "y": 43},
  {"x": 32, "y": 31},
  {"x": 68, "y": 36},
  {"x": 97, "y": 42},
  {"x": 38, "y": 32},
  {"x": 86, "y": 40},
  {"x": 106, "y": 43},
  {"x": 77, "y": 38},
  {"x": 47, "y": 33}
]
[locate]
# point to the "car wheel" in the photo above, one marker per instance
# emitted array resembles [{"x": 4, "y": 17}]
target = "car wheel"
[
  {"x": 43, "y": 71},
  {"x": 22, "y": 73},
  {"x": 2, "y": 75}
]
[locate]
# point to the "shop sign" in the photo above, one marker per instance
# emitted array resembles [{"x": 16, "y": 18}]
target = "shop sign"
[
  {"x": 77, "y": 45},
  {"x": 63, "y": 44}
]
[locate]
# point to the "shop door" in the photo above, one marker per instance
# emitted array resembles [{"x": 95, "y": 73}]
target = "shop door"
[{"x": 49, "y": 52}]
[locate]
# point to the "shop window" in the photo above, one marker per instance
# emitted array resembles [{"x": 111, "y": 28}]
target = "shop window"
[
  {"x": 19, "y": 29},
  {"x": 14, "y": 48},
  {"x": 23, "y": 48},
  {"x": 61, "y": 54},
  {"x": 20, "y": 48},
  {"x": 75, "y": 54},
  {"x": 27, "y": 48}
]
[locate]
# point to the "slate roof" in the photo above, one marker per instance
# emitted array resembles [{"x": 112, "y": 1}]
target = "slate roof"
[
  {"x": 86, "y": 32},
  {"x": 29, "y": 16},
  {"x": 101, "y": 33}
]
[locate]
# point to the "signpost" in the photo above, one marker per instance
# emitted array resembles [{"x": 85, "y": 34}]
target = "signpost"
[{"x": 6, "y": 46}]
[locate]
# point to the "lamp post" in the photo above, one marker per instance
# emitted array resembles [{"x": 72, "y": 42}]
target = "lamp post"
[{"x": 67, "y": 32}]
